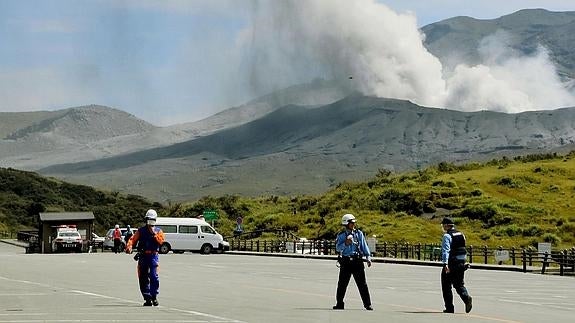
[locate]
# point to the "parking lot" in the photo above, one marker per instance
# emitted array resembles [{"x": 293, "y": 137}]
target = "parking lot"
[{"x": 102, "y": 287}]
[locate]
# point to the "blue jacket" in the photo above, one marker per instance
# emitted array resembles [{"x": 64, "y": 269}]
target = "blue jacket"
[{"x": 359, "y": 246}]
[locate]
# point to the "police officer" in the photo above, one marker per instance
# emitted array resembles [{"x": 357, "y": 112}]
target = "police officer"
[
  {"x": 453, "y": 256},
  {"x": 352, "y": 247},
  {"x": 148, "y": 240}
]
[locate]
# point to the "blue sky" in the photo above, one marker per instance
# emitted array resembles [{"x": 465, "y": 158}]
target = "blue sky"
[{"x": 166, "y": 62}]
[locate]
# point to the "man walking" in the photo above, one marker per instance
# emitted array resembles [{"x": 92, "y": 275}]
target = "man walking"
[
  {"x": 352, "y": 247},
  {"x": 453, "y": 256},
  {"x": 148, "y": 240}
]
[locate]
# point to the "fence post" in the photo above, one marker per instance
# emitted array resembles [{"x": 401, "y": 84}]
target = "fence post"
[
  {"x": 544, "y": 262},
  {"x": 395, "y": 249},
  {"x": 563, "y": 259},
  {"x": 418, "y": 251},
  {"x": 513, "y": 255},
  {"x": 384, "y": 249},
  {"x": 485, "y": 254},
  {"x": 471, "y": 254},
  {"x": 524, "y": 260}
]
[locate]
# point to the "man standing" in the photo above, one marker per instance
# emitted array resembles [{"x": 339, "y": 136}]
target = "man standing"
[
  {"x": 117, "y": 235},
  {"x": 148, "y": 240},
  {"x": 453, "y": 256},
  {"x": 352, "y": 247}
]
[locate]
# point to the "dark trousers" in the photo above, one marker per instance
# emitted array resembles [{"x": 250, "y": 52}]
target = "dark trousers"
[
  {"x": 349, "y": 267},
  {"x": 148, "y": 277},
  {"x": 455, "y": 279},
  {"x": 117, "y": 245}
]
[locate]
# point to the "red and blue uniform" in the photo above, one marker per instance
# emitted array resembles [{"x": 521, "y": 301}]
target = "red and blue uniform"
[{"x": 148, "y": 240}]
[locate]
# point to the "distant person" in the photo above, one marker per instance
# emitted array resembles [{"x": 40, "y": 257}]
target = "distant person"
[
  {"x": 148, "y": 240},
  {"x": 117, "y": 236},
  {"x": 129, "y": 234},
  {"x": 351, "y": 248},
  {"x": 453, "y": 256}
]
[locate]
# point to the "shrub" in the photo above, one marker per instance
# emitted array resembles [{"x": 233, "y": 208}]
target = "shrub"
[
  {"x": 532, "y": 231},
  {"x": 552, "y": 238},
  {"x": 483, "y": 212}
]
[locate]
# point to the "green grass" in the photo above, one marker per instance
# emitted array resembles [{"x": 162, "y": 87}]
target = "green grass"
[
  {"x": 499, "y": 203},
  {"x": 504, "y": 202}
]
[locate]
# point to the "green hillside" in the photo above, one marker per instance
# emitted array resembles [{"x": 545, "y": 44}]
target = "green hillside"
[
  {"x": 23, "y": 195},
  {"x": 504, "y": 202}
]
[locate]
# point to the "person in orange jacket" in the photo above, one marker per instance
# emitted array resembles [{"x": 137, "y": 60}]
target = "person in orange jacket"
[
  {"x": 148, "y": 240},
  {"x": 117, "y": 236}
]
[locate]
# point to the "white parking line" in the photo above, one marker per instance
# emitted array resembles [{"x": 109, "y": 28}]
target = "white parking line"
[{"x": 213, "y": 318}]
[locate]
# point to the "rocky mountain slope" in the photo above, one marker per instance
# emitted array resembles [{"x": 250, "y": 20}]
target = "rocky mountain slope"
[
  {"x": 301, "y": 150},
  {"x": 456, "y": 40}
]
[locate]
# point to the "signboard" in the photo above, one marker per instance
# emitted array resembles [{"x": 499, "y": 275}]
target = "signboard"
[
  {"x": 210, "y": 215},
  {"x": 371, "y": 243},
  {"x": 544, "y": 247},
  {"x": 501, "y": 255}
]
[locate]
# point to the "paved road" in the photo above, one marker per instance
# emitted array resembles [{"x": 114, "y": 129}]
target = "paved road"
[{"x": 102, "y": 287}]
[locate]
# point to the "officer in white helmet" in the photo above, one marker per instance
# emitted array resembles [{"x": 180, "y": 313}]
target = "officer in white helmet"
[
  {"x": 352, "y": 248},
  {"x": 148, "y": 240}
]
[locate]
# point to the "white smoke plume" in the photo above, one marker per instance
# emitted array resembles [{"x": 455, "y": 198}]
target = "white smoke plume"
[{"x": 380, "y": 52}]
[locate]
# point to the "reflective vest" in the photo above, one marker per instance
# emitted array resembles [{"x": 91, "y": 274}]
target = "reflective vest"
[
  {"x": 117, "y": 234},
  {"x": 457, "y": 247}
]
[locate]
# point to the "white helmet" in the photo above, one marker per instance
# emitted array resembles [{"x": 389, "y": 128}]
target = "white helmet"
[
  {"x": 116, "y": 226},
  {"x": 347, "y": 218},
  {"x": 151, "y": 215}
]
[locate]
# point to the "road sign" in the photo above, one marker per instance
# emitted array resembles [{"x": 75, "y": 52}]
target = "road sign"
[
  {"x": 210, "y": 215},
  {"x": 501, "y": 255}
]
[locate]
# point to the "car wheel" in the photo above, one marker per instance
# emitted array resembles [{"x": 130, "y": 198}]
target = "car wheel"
[
  {"x": 206, "y": 249},
  {"x": 165, "y": 248}
]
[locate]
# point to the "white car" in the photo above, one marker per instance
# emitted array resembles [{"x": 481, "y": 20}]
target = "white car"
[
  {"x": 67, "y": 239},
  {"x": 109, "y": 239}
]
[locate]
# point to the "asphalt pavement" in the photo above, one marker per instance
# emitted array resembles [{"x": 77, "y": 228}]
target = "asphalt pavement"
[{"x": 103, "y": 287}]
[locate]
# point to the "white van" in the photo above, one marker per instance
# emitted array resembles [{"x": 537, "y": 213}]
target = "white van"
[{"x": 189, "y": 234}]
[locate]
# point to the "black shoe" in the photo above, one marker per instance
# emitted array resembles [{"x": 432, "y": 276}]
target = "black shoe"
[
  {"x": 468, "y": 304},
  {"x": 369, "y": 308},
  {"x": 338, "y": 307},
  {"x": 155, "y": 302},
  {"x": 448, "y": 311},
  {"x": 148, "y": 302}
]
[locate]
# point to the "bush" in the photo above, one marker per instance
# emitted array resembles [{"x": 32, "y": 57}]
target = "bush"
[
  {"x": 483, "y": 212},
  {"x": 532, "y": 231},
  {"x": 552, "y": 238}
]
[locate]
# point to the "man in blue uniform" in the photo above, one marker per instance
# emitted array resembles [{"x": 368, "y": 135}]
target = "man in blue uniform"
[
  {"x": 352, "y": 247},
  {"x": 148, "y": 240},
  {"x": 453, "y": 256}
]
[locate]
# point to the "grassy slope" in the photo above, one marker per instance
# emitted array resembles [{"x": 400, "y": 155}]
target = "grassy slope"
[{"x": 502, "y": 202}]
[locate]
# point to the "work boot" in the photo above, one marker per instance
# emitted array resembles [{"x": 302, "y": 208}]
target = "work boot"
[
  {"x": 468, "y": 304},
  {"x": 155, "y": 302},
  {"x": 148, "y": 302},
  {"x": 449, "y": 310},
  {"x": 369, "y": 308}
]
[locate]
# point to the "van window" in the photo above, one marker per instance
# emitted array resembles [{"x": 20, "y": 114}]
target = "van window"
[
  {"x": 188, "y": 229},
  {"x": 169, "y": 228},
  {"x": 208, "y": 229}
]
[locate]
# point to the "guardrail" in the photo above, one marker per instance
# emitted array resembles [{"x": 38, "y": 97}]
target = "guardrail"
[{"x": 558, "y": 261}]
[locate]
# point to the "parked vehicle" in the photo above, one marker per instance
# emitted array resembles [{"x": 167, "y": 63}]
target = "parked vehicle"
[
  {"x": 66, "y": 238},
  {"x": 190, "y": 234},
  {"x": 109, "y": 239}
]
